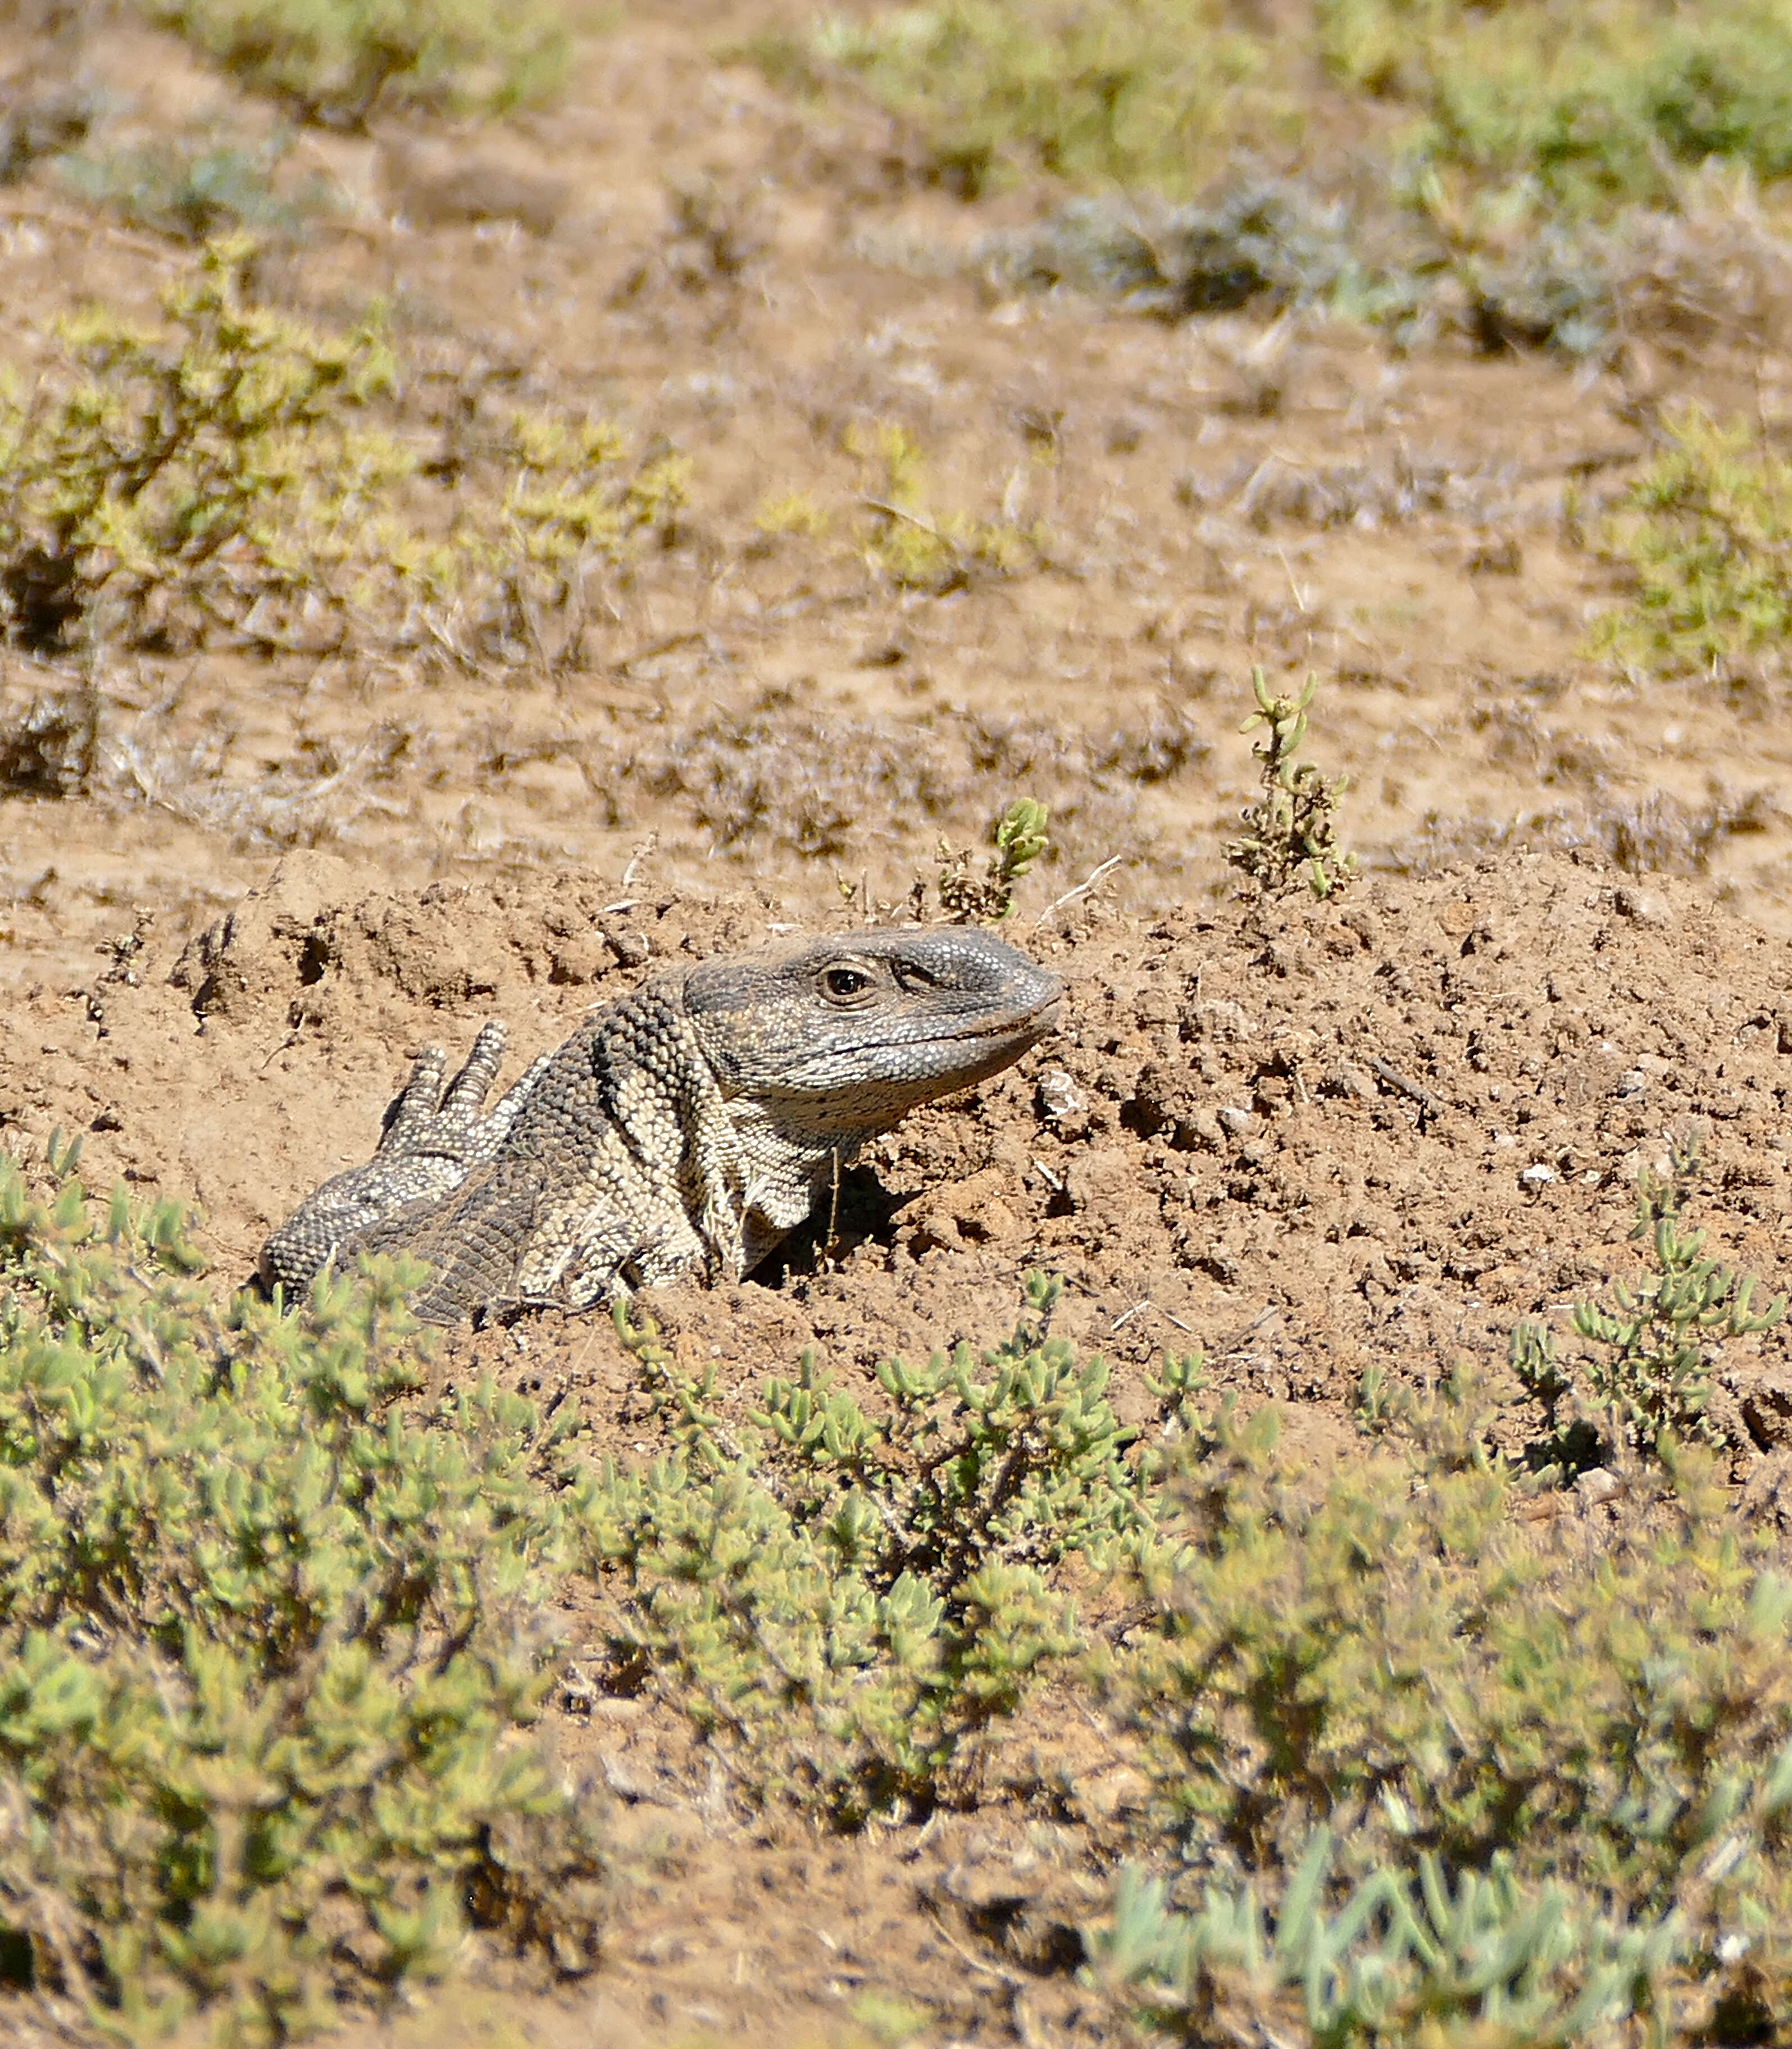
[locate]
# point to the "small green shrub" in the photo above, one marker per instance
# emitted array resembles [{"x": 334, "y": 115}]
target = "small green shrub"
[
  {"x": 1290, "y": 832},
  {"x": 269, "y": 1645},
  {"x": 1404, "y": 1958},
  {"x": 238, "y": 474},
  {"x": 1134, "y": 92},
  {"x": 1384, "y": 1650},
  {"x": 921, "y": 548},
  {"x": 1254, "y": 242},
  {"x": 1651, "y": 1352},
  {"x": 1591, "y": 107},
  {"x": 1706, "y": 534},
  {"x": 1020, "y": 839},
  {"x": 335, "y": 61},
  {"x": 1596, "y": 105},
  {"x": 842, "y": 1601},
  {"x": 1533, "y": 279}
]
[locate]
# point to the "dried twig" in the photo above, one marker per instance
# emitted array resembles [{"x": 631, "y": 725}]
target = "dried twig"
[{"x": 1081, "y": 889}]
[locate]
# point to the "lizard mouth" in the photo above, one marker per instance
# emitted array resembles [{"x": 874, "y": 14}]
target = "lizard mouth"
[
  {"x": 1038, "y": 1018},
  {"x": 1033, "y": 1022}
]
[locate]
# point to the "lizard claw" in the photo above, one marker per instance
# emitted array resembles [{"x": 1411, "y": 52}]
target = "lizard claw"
[
  {"x": 429, "y": 1118},
  {"x": 436, "y": 1136}
]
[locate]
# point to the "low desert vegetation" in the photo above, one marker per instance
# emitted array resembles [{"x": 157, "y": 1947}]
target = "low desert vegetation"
[
  {"x": 336, "y": 62},
  {"x": 235, "y": 476},
  {"x": 1417, "y": 1751},
  {"x": 1651, "y": 1349},
  {"x": 1513, "y": 177},
  {"x": 196, "y": 189},
  {"x": 278, "y": 1629},
  {"x": 844, "y": 1601},
  {"x": 1290, "y": 833},
  {"x": 1595, "y": 107},
  {"x": 274, "y": 1642},
  {"x": 917, "y": 546},
  {"x": 966, "y": 896},
  {"x": 1704, "y": 537},
  {"x": 1138, "y": 92}
]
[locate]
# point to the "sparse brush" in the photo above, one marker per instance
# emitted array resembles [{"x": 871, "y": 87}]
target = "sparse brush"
[
  {"x": 843, "y": 1599},
  {"x": 1407, "y": 1955},
  {"x": 923, "y": 548},
  {"x": 1139, "y": 92},
  {"x": 1706, "y": 534},
  {"x": 193, "y": 191},
  {"x": 269, "y": 1645},
  {"x": 1290, "y": 835},
  {"x": 1596, "y": 105},
  {"x": 1653, "y": 1346},
  {"x": 792, "y": 512},
  {"x": 1256, "y": 241},
  {"x": 784, "y": 777},
  {"x": 336, "y": 61},
  {"x": 1384, "y": 1649},
  {"x": 236, "y": 474}
]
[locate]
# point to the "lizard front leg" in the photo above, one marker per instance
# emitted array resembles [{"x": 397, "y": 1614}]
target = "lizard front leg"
[{"x": 435, "y": 1137}]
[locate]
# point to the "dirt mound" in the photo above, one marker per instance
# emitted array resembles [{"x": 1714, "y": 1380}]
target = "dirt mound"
[{"x": 1300, "y": 1136}]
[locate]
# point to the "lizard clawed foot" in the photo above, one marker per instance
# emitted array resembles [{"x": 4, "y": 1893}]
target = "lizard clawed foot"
[{"x": 435, "y": 1137}]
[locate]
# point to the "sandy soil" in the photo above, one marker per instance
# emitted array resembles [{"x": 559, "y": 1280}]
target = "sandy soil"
[{"x": 1300, "y": 1137}]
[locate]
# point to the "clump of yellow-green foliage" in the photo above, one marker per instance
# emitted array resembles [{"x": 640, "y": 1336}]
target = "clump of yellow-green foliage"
[
  {"x": 899, "y": 532},
  {"x": 337, "y": 61},
  {"x": 1133, "y": 90},
  {"x": 233, "y": 474},
  {"x": 1593, "y": 106},
  {"x": 1704, "y": 534},
  {"x": 922, "y": 548},
  {"x": 272, "y": 1641}
]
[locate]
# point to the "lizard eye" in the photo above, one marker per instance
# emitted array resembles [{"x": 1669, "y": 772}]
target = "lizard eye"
[{"x": 846, "y": 985}]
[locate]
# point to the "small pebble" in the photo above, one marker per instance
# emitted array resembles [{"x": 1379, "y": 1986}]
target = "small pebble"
[{"x": 1059, "y": 1096}]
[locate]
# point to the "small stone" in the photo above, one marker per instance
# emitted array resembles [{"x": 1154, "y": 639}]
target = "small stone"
[
  {"x": 1354, "y": 1082},
  {"x": 1059, "y": 1096},
  {"x": 1201, "y": 1130},
  {"x": 1235, "y": 1120},
  {"x": 1119, "y": 1791},
  {"x": 1632, "y": 1081},
  {"x": 1646, "y": 906},
  {"x": 1537, "y": 1175},
  {"x": 1597, "y": 1485}
]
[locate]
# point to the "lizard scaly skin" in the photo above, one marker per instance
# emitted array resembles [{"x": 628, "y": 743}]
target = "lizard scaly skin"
[{"x": 686, "y": 1128}]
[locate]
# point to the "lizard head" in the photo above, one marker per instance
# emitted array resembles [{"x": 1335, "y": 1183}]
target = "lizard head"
[{"x": 847, "y": 1035}]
